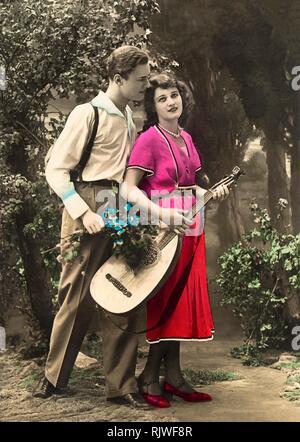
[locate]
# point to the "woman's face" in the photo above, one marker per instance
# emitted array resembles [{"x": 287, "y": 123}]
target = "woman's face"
[{"x": 168, "y": 104}]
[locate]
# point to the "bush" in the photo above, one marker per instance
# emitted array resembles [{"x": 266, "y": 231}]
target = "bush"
[{"x": 258, "y": 275}]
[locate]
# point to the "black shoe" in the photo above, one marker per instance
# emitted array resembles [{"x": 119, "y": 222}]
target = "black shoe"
[
  {"x": 133, "y": 400},
  {"x": 45, "y": 389}
]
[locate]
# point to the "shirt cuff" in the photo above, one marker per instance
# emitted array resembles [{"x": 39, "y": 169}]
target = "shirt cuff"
[{"x": 75, "y": 206}]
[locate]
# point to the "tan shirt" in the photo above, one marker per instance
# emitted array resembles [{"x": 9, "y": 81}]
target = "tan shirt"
[{"x": 113, "y": 142}]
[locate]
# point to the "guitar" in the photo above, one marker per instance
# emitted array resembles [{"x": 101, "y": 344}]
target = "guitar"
[{"x": 119, "y": 290}]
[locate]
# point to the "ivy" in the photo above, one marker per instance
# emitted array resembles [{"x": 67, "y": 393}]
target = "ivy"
[{"x": 257, "y": 277}]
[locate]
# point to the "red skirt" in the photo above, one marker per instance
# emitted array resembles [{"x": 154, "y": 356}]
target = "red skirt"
[{"x": 181, "y": 309}]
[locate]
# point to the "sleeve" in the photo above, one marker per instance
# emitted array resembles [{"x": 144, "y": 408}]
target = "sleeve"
[
  {"x": 143, "y": 155},
  {"x": 66, "y": 154}
]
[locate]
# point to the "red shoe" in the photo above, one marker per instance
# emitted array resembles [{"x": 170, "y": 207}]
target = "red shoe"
[
  {"x": 156, "y": 400},
  {"x": 189, "y": 397}
]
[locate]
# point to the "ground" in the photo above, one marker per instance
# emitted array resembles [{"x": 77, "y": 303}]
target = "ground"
[{"x": 251, "y": 394}]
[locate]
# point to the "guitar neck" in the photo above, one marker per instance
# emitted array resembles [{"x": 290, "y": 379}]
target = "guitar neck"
[
  {"x": 208, "y": 195},
  {"x": 201, "y": 203},
  {"x": 194, "y": 211}
]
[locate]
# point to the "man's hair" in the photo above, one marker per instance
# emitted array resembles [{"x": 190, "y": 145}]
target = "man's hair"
[
  {"x": 165, "y": 80},
  {"x": 124, "y": 60}
]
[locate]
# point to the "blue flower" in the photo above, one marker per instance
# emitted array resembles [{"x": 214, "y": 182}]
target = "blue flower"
[
  {"x": 110, "y": 211},
  {"x": 122, "y": 222},
  {"x": 109, "y": 223},
  {"x": 128, "y": 206},
  {"x": 133, "y": 220}
]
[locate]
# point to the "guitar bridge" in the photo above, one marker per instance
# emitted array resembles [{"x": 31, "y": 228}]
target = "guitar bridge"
[{"x": 118, "y": 285}]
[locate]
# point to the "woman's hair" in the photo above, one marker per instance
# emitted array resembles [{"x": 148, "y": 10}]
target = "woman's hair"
[
  {"x": 165, "y": 80},
  {"x": 124, "y": 60}
]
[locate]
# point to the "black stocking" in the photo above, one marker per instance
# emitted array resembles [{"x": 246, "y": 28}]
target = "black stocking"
[
  {"x": 150, "y": 373},
  {"x": 173, "y": 373}
]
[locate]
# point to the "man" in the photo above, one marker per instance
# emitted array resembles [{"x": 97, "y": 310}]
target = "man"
[{"x": 128, "y": 72}]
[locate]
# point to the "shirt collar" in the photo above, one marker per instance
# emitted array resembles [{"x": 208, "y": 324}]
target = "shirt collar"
[{"x": 102, "y": 101}]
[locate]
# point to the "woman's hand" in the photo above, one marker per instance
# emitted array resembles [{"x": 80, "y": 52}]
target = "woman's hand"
[
  {"x": 221, "y": 192},
  {"x": 175, "y": 219},
  {"x": 92, "y": 221}
]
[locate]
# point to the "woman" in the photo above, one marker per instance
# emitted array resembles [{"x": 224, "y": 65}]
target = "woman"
[{"x": 165, "y": 158}]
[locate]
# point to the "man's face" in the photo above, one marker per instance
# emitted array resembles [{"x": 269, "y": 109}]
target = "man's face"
[{"x": 133, "y": 88}]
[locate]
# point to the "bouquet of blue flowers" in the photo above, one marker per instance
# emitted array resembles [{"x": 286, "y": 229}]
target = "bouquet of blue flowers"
[{"x": 131, "y": 238}]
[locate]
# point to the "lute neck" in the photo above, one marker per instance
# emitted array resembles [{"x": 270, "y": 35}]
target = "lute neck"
[
  {"x": 208, "y": 195},
  {"x": 201, "y": 202},
  {"x": 194, "y": 210}
]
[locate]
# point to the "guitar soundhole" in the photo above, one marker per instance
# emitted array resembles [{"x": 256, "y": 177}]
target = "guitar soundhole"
[
  {"x": 115, "y": 282},
  {"x": 151, "y": 257}
]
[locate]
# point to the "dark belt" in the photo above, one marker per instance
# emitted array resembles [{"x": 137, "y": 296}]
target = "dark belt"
[{"x": 104, "y": 183}]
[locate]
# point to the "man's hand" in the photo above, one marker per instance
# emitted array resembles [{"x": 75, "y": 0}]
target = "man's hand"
[
  {"x": 92, "y": 221},
  {"x": 221, "y": 192},
  {"x": 176, "y": 219}
]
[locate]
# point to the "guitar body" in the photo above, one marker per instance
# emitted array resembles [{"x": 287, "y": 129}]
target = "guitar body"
[{"x": 117, "y": 289}]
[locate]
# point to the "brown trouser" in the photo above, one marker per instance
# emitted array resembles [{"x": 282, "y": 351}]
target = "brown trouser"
[{"x": 77, "y": 309}]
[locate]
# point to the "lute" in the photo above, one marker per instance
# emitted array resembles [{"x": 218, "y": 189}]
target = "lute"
[{"x": 118, "y": 289}]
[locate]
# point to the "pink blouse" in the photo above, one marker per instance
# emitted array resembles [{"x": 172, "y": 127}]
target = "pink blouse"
[
  {"x": 167, "y": 168},
  {"x": 166, "y": 165}
]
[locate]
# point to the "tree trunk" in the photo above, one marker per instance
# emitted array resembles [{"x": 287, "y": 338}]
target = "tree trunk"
[
  {"x": 35, "y": 273},
  {"x": 231, "y": 227},
  {"x": 277, "y": 184},
  {"x": 295, "y": 169}
]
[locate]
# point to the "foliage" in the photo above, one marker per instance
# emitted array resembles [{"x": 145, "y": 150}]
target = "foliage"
[
  {"x": 292, "y": 388},
  {"x": 294, "y": 377},
  {"x": 257, "y": 276},
  {"x": 250, "y": 354},
  {"x": 206, "y": 377},
  {"x": 131, "y": 238},
  {"x": 37, "y": 344},
  {"x": 294, "y": 365},
  {"x": 49, "y": 50},
  {"x": 28, "y": 381},
  {"x": 14, "y": 191},
  {"x": 293, "y": 395}
]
